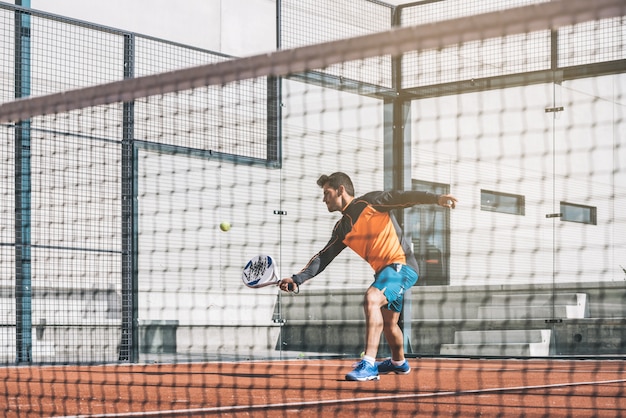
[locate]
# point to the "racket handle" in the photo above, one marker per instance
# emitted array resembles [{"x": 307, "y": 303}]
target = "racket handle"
[{"x": 293, "y": 288}]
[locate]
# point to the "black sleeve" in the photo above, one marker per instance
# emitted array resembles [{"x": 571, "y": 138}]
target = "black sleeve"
[
  {"x": 321, "y": 260},
  {"x": 393, "y": 199}
]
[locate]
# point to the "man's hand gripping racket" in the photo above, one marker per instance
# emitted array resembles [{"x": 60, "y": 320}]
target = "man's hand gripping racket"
[{"x": 262, "y": 271}]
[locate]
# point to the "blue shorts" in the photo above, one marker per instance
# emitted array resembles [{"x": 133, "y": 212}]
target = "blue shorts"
[{"x": 393, "y": 281}]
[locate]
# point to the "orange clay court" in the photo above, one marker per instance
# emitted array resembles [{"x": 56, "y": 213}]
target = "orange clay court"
[{"x": 316, "y": 388}]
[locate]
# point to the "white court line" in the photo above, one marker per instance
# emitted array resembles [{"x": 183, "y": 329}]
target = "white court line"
[{"x": 235, "y": 408}]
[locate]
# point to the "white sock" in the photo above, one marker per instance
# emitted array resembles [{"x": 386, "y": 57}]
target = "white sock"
[
  {"x": 398, "y": 362},
  {"x": 370, "y": 360}
]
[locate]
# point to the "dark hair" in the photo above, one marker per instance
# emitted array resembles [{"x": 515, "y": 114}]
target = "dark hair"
[{"x": 335, "y": 180}]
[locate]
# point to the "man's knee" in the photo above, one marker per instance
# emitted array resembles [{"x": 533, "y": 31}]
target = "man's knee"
[{"x": 375, "y": 298}]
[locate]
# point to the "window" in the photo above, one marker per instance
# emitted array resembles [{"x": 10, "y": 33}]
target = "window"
[
  {"x": 429, "y": 229},
  {"x": 501, "y": 202},
  {"x": 571, "y": 212}
]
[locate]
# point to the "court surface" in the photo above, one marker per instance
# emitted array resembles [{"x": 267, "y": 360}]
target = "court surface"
[{"x": 316, "y": 388}]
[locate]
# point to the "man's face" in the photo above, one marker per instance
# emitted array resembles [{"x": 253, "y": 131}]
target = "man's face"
[{"x": 332, "y": 198}]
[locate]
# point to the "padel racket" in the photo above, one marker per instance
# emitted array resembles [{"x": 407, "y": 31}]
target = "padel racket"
[{"x": 262, "y": 271}]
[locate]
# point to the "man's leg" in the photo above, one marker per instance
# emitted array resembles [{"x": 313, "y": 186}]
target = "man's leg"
[
  {"x": 393, "y": 280},
  {"x": 374, "y": 320},
  {"x": 367, "y": 369},
  {"x": 393, "y": 333}
]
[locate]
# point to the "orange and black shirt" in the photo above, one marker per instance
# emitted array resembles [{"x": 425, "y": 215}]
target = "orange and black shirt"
[{"x": 370, "y": 229}]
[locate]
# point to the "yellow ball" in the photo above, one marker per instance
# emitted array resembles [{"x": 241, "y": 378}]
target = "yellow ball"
[{"x": 225, "y": 226}]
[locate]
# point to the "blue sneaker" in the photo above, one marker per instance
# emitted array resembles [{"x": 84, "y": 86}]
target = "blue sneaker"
[
  {"x": 363, "y": 372},
  {"x": 387, "y": 366}
]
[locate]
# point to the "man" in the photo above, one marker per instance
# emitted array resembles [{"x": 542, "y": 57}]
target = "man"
[{"x": 371, "y": 230}]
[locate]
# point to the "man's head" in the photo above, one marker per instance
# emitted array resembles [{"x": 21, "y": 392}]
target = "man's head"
[{"x": 338, "y": 190}]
